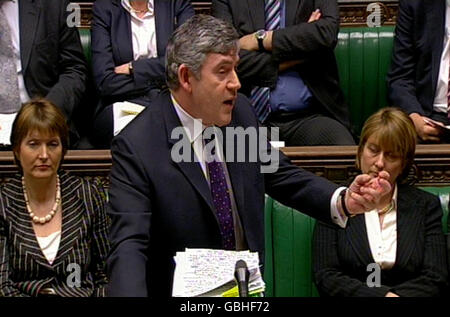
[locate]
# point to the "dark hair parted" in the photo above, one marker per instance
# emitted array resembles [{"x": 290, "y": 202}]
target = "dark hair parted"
[
  {"x": 395, "y": 132},
  {"x": 199, "y": 36},
  {"x": 39, "y": 115}
]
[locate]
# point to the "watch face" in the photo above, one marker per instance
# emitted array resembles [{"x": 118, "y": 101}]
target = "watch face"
[{"x": 260, "y": 34}]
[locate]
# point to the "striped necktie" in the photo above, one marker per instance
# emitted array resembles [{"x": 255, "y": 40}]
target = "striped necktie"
[
  {"x": 9, "y": 86},
  {"x": 260, "y": 96}
]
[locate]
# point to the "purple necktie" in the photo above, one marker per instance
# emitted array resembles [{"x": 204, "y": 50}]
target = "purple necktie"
[{"x": 221, "y": 200}]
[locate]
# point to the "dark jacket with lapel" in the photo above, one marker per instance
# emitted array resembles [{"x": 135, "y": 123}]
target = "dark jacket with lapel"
[
  {"x": 53, "y": 63},
  {"x": 342, "y": 256},
  {"x": 418, "y": 45},
  {"x": 24, "y": 270},
  {"x": 158, "y": 206},
  {"x": 112, "y": 46},
  {"x": 312, "y": 43}
]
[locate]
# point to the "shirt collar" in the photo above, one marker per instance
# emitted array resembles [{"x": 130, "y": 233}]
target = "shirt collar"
[{"x": 194, "y": 127}]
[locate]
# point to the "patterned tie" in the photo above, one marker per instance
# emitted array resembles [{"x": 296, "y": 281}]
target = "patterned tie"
[
  {"x": 221, "y": 199},
  {"x": 260, "y": 96},
  {"x": 9, "y": 87}
]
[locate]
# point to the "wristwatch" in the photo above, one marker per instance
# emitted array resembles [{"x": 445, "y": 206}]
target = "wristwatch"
[
  {"x": 260, "y": 36},
  {"x": 130, "y": 67}
]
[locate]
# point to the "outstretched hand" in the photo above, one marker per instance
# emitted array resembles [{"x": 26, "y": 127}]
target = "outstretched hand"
[{"x": 366, "y": 191}]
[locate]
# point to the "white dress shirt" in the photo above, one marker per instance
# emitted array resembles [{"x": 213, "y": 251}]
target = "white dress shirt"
[
  {"x": 11, "y": 11},
  {"x": 383, "y": 238},
  {"x": 440, "y": 100},
  {"x": 143, "y": 32}
]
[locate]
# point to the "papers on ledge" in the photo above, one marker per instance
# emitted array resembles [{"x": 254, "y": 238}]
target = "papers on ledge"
[
  {"x": 6, "y": 121},
  {"x": 207, "y": 272},
  {"x": 123, "y": 113}
]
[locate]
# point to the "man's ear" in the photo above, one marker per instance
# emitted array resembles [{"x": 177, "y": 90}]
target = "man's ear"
[{"x": 185, "y": 77}]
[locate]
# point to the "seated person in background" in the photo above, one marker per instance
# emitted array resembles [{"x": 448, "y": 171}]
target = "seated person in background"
[
  {"x": 401, "y": 239},
  {"x": 40, "y": 56},
  {"x": 129, "y": 39},
  {"x": 53, "y": 226},
  {"x": 419, "y": 76},
  {"x": 288, "y": 67}
]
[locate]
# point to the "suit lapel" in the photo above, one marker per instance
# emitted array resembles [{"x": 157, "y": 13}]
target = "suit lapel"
[
  {"x": 24, "y": 236},
  {"x": 435, "y": 11},
  {"x": 407, "y": 225},
  {"x": 73, "y": 213},
  {"x": 122, "y": 26},
  {"x": 192, "y": 171},
  {"x": 162, "y": 25},
  {"x": 356, "y": 235},
  {"x": 29, "y": 11},
  {"x": 256, "y": 8}
]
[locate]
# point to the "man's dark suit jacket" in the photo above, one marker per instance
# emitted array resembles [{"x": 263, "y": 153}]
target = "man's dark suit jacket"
[
  {"x": 312, "y": 43},
  {"x": 341, "y": 256},
  {"x": 159, "y": 207},
  {"x": 24, "y": 270},
  {"x": 112, "y": 46},
  {"x": 418, "y": 45},
  {"x": 53, "y": 63}
]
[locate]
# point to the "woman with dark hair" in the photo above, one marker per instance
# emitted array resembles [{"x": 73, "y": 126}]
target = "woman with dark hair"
[
  {"x": 129, "y": 39},
  {"x": 397, "y": 249},
  {"x": 53, "y": 226}
]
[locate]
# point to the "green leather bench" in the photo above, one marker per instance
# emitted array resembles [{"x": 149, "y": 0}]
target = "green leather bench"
[
  {"x": 363, "y": 56},
  {"x": 288, "y": 238}
]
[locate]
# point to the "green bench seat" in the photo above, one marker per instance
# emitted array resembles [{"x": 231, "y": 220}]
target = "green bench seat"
[{"x": 288, "y": 241}]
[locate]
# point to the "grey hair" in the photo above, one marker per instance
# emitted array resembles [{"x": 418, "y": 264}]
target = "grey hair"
[{"x": 191, "y": 42}]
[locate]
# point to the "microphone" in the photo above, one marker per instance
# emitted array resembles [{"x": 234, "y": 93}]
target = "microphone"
[{"x": 242, "y": 275}]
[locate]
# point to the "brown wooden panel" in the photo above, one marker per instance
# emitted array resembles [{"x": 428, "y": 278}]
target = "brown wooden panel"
[
  {"x": 352, "y": 13},
  {"x": 337, "y": 163}
]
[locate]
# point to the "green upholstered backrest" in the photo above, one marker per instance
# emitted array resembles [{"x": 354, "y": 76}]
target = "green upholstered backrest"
[
  {"x": 288, "y": 262},
  {"x": 363, "y": 56}
]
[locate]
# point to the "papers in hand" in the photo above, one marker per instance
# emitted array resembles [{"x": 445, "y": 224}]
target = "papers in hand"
[
  {"x": 6, "y": 121},
  {"x": 435, "y": 123},
  {"x": 207, "y": 272},
  {"x": 123, "y": 113}
]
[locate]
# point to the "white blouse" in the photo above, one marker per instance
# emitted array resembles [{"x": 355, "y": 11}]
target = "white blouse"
[
  {"x": 50, "y": 245},
  {"x": 383, "y": 239}
]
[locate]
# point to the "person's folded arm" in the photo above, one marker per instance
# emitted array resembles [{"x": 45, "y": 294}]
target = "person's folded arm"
[{"x": 301, "y": 40}]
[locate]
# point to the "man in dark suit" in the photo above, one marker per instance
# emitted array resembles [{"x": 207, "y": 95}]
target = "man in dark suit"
[
  {"x": 160, "y": 204},
  {"x": 419, "y": 76},
  {"x": 128, "y": 48},
  {"x": 294, "y": 58},
  {"x": 47, "y": 53}
]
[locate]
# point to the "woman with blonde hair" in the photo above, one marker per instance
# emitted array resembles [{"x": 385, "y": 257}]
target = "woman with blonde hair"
[{"x": 397, "y": 249}]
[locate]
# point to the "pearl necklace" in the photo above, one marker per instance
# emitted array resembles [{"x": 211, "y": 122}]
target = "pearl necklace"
[{"x": 49, "y": 216}]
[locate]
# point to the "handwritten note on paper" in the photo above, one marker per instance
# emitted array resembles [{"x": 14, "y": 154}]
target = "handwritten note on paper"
[{"x": 207, "y": 271}]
